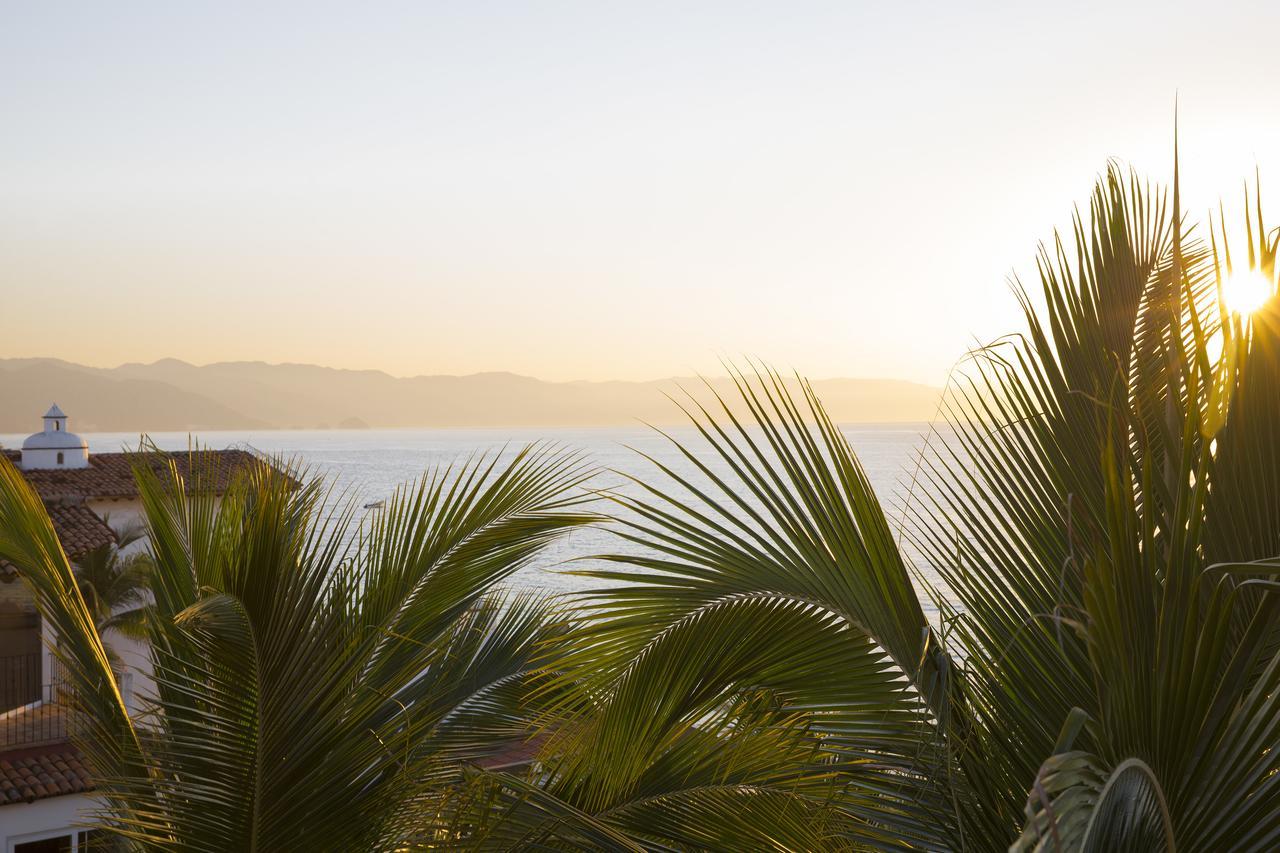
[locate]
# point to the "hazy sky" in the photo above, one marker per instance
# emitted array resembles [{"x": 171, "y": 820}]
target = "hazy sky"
[{"x": 584, "y": 190}]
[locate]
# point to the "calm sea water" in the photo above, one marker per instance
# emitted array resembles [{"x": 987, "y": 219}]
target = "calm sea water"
[{"x": 374, "y": 462}]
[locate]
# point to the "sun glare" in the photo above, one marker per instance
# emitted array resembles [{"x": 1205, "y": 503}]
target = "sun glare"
[{"x": 1246, "y": 291}]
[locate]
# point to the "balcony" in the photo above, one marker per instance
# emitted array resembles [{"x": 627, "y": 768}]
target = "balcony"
[{"x": 33, "y": 709}]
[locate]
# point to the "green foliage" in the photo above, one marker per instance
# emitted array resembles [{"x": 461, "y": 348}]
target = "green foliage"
[
  {"x": 319, "y": 684},
  {"x": 115, "y": 585},
  {"x": 1100, "y": 501}
]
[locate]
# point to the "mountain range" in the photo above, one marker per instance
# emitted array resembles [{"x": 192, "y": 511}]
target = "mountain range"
[{"x": 173, "y": 395}]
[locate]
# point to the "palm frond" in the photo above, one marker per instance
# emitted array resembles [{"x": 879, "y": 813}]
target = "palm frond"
[{"x": 317, "y": 684}]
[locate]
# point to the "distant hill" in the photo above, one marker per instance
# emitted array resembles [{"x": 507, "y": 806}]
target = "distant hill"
[
  {"x": 101, "y": 401},
  {"x": 173, "y": 395}
]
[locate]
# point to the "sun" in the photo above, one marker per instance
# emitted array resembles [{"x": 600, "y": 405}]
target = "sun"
[{"x": 1247, "y": 291}]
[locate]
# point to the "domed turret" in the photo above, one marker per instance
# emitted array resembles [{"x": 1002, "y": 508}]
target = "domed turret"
[{"x": 54, "y": 447}]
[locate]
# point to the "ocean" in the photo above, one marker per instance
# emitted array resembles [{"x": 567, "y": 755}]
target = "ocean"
[{"x": 372, "y": 463}]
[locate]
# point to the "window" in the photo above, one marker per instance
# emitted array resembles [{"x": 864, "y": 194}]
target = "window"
[
  {"x": 57, "y": 425},
  {"x": 94, "y": 839},
  {"x": 59, "y": 457},
  {"x": 56, "y": 844},
  {"x": 80, "y": 842}
]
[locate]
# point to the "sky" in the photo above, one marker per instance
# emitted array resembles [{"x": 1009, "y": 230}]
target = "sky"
[{"x": 585, "y": 190}]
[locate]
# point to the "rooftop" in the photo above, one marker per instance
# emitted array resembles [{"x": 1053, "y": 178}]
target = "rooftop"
[
  {"x": 109, "y": 476},
  {"x": 79, "y": 530},
  {"x": 32, "y": 774}
]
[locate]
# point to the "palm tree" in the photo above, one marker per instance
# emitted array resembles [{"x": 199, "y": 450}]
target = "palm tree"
[
  {"x": 1100, "y": 502},
  {"x": 116, "y": 586},
  {"x": 1098, "y": 666},
  {"x": 319, "y": 683}
]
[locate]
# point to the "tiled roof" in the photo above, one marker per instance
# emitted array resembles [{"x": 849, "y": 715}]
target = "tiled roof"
[
  {"x": 49, "y": 771},
  {"x": 79, "y": 529},
  {"x": 110, "y": 475}
]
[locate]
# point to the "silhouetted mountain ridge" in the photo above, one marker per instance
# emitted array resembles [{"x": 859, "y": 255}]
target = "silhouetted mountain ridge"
[{"x": 171, "y": 394}]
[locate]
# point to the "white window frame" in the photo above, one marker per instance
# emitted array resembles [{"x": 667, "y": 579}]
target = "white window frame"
[{"x": 45, "y": 835}]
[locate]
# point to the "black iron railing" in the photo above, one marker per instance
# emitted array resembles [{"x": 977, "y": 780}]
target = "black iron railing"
[
  {"x": 21, "y": 677},
  {"x": 33, "y": 701}
]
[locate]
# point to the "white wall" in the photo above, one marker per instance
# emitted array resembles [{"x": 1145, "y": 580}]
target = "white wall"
[
  {"x": 72, "y": 457},
  {"x": 118, "y": 512},
  {"x": 138, "y": 680},
  {"x": 134, "y": 654},
  {"x": 19, "y": 820}
]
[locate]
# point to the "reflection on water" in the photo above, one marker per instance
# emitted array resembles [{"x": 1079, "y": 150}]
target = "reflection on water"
[{"x": 371, "y": 463}]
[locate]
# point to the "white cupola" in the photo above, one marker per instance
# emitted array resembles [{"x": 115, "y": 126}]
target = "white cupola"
[{"x": 54, "y": 447}]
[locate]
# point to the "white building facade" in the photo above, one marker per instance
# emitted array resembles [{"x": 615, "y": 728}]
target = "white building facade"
[
  {"x": 45, "y": 789},
  {"x": 54, "y": 447}
]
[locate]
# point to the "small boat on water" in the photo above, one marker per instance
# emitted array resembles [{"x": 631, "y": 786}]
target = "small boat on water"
[{"x": 374, "y": 505}]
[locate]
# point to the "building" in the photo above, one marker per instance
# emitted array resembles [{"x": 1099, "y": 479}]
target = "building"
[{"x": 44, "y": 785}]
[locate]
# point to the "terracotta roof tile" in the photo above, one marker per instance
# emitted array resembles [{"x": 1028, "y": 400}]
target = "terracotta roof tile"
[
  {"x": 110, "y": 475},
  {"x": 33, "y": 774},
  {"x": 79, "y": 528}
]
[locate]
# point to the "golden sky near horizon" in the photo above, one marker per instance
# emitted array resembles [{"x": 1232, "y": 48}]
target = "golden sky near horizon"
[{"x": 577, "y": 192}]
